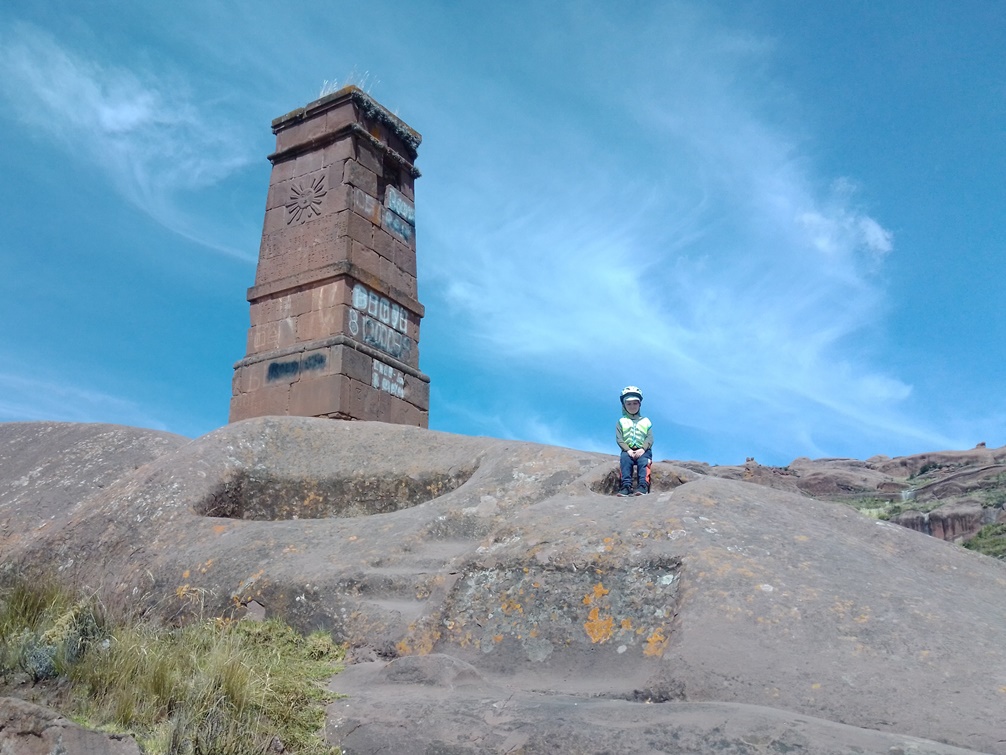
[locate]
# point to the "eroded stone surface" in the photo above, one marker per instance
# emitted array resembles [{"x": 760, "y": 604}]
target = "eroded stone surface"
[
  {"x": 580, "y": 607},
  {"x": 29, "y": 729}
]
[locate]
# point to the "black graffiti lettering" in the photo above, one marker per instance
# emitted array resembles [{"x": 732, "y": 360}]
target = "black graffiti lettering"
[
  {"x": 281, "y": 370},
  {"x": 313, "y": 362}
]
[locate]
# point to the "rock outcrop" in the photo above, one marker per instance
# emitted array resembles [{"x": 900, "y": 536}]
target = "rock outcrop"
[
  {"x": 950, "y": 495},
  {"x": 495, "y": 598},
  {"x": 29, "y": 729}
]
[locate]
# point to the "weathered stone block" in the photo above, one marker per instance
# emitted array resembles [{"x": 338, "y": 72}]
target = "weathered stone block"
[
  {"x": 405, "y": 257},
  {"x": 310, "y": 397},
  {"x": 417, "y": 392},
  {"x": 330, "y": 294},
  {"x": 282, "y": 170},
  {"x": 340, "y": 117},
  {"x": 362, "y": 178},
  {"x": 365, "y": 258},
  {"x": 266, "y": 401},
  {"x": 318, "y": 324},
  {"x": 308, "y": 163},
  {"x": 369, "y": 157},
  {"x": 339, "y": 151},
  {"x": 366, "y": 206},
  {"x": 403, "y": 413}
]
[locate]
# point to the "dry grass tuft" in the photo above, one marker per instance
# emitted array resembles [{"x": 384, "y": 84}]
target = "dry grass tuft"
[{"x": 214, "y": 687}]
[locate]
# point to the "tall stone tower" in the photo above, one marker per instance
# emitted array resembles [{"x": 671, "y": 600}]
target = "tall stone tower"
[{"x": 334, "y": 309}]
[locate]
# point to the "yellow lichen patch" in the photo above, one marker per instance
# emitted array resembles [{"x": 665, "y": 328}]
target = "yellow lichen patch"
[
  {"x": 656, "y": 644},
  {"x": 511, "y": 606},
  {"x": 627, "y": 625},
  {"x": 599, "y": 591},
  {"x": 421, "y": 641},
  {"x": 816, "y": 685},
  {"x": 862, "y": 618},
  {"x": 801, "y": 538},
  {"x": 598, "y": 627}
]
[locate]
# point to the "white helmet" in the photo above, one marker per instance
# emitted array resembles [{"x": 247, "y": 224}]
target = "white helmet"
[{"x": 631, "y": 391}]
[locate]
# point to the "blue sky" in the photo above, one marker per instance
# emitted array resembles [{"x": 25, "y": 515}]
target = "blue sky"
[{"x": 783, "y": 220}]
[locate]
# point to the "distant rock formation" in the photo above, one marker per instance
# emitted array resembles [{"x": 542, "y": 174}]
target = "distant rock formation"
[
  {"x": 495, "y": 598},
  {"x": 950, "y": 495}
]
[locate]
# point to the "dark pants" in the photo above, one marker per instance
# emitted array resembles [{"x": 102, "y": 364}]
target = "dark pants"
[{"x": 642, "y": 469}]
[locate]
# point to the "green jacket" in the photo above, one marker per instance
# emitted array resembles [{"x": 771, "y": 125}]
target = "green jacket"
[{"x": 633, "y": 431}]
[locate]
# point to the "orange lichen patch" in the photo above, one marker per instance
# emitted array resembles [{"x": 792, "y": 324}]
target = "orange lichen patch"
[
  {"x": 533, "y": 633},
  {"x": 182, "y": 590},
  {"x": 420, "y": 642},
  {"x": 511, "y": 606},
  {"x": 351, "y": 538},
  {"x": 598, "y": 628},
  {"x": 626, "y": 624},
  {"x": 497, "y": 638},
  {"x": 599, "y": 591},
  {"x": 656, "y": 644},
  {"x": 185, "y": 574},
  {"x": 220, "y": 528},
  {"x": 203, "y": 568}
]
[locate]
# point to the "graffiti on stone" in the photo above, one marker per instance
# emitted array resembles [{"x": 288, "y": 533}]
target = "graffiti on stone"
[
  {"x": 401, "y": 206},
  {"x": 398, "y": 227},
  {"x": 380, "y": 323},
  {"x": 292, "y": 368},
  {"x": 388, "y": 379}
]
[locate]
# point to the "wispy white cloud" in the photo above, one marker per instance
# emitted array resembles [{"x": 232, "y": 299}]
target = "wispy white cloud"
[
  {"x": 30, "y": 399},
  {"x": 142, "y": 128},
  {"x": 723, "y": 272}
]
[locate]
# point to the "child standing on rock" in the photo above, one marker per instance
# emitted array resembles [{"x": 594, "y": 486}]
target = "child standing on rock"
[{"x": 634, "y": 435}]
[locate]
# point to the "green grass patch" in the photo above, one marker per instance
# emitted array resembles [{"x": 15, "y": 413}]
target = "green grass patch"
[
  {"x": 990, "y": 540},
  {"x": 215, "y": 687},
  {"x": 879, "y": 508},
  {"x": 994, "y": 497}
]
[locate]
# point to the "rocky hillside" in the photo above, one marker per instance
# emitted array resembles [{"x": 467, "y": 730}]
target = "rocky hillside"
[
  {"x": 949, "y": 494},
  {"x": 496, "y": 598}
]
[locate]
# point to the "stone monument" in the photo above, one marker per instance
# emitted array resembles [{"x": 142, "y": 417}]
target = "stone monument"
[{"x": 334, "y": 309}]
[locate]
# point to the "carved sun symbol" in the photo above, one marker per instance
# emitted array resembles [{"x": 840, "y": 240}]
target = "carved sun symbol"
[{"x": 305, "y": 200}]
